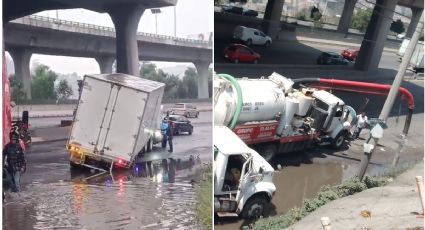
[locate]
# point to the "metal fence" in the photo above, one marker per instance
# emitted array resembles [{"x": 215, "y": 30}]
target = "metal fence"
[{"x": 104, "y": 30}]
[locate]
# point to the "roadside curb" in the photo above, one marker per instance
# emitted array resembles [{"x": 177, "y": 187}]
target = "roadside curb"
[
  {"x": 336, "y": 43},
  {"x": 49, "y": 141}
]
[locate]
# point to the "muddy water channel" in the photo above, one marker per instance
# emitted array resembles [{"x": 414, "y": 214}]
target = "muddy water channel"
[
  {"x": 294, "y": 184},
  {"x": 152, "y": 195}
]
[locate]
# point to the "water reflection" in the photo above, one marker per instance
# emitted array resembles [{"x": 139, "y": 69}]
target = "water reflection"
[{"x": 151, "y": 195}]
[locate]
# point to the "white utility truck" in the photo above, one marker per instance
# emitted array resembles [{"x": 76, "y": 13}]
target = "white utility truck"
[
  {"x": 116, "y": 119},
  {"x": 243, "y": 180},
  {"x": 272, "y": 117}
]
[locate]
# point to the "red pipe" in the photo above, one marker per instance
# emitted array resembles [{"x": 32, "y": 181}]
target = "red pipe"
[{"x": 372, "y": 86}]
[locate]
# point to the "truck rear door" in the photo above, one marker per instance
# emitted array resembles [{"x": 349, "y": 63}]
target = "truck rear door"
[
  {"x": 121, "y": 126},
  {"x": 90, "y": 115}
]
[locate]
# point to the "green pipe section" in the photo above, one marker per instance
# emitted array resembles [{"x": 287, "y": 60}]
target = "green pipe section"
[{"x": 236, "y": 114}]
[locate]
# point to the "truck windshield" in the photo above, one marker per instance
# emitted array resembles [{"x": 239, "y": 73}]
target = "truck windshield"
[{"x": 179, "y": 106}]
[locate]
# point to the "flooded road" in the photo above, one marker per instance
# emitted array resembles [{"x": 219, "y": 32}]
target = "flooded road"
[
  {"x": 158, "y": 193},
  {"x": 294, "y": 183},
  {"x": 152, "y": 195}
]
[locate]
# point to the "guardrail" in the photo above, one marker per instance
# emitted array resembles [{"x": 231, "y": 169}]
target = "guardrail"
[{"x": 32, "y": 21}]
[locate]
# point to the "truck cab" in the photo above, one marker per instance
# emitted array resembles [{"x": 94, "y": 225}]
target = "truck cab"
[
  {"x": 329, "y": 113},
  {"x": 243, "y": 180}
]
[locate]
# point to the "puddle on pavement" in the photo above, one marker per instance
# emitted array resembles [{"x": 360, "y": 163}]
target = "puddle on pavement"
[
  {"x": 152, "y": 195},
  {"x": 294, "y": 184}
]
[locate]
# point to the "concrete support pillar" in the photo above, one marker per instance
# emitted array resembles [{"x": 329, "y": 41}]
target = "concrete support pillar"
[
  {"x": 21, "y": 60},
  {"x": 416, "y": 16},
  {"x": 271, "y": 20},
  {"x": 347, "y": 14},
  {"x": 126, "y": 19},
  {"x": 376, "y": 36},
  {"x": 105, "y": 63},
  {"x": 202, "y": 69}
]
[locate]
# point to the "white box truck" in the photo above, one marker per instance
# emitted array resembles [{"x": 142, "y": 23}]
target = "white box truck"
[{"x": 116, "y": 118}]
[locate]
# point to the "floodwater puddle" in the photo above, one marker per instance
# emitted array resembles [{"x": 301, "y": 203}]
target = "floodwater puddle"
[
  {"x": 152, "y": 195},
  {"x": 294, "y": 184}
]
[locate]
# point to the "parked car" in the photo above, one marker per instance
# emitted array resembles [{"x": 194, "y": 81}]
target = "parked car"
[
  {"x": 331, "y": 58},
  {"x": 250, "y": 13},
  {"x": 350, "y": 53},
  {"x": 232, "y": 9},
  {"x": 251, "y": 36},
  {"x": 181, "y": 124},
  {"x": 240, "y": 53},
  {"x": 184, "y": 109},
  {"x": 401, "y": 36}
]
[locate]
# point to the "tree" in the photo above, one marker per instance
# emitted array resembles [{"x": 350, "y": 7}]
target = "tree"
[
  {"x": 17, "y": 89},
  {"x": 149, "y": 71},
  {"x": 63, "y": 90},
  {"x": 181, "y": 90},
  {"x": 190, "y": 80},
  {"x": 361, "y": 19},
  {"x": 43, "y": 83},
  {"x": 397, "y": 26}
]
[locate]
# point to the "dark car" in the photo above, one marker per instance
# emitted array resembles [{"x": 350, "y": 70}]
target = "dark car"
[
  {"x": 181, "y": 124},
  {"x": 331, "y": 58},
  {"x": 232, "y": 9},
  {"x": 240, "y": 53},
  {"x": 250, "y": 13},
  {"x": 350, "y": 54}
]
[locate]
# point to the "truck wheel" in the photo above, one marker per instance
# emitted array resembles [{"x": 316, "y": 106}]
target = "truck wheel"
[
  {"x": 267, "y": 44},
  {"x": 75, "y": 167},
  {"x": 268, "y": 151},
  {"x": 255, "y": 207},
  {"x": 197, "y": 114},
  {"x": 249, "y": 42},
  {"x": 190, "y": 132},
  {"x": 338, "y": 141}
]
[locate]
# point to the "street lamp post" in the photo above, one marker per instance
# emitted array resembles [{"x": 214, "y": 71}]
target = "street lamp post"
[{"x": 156, "y": 11}]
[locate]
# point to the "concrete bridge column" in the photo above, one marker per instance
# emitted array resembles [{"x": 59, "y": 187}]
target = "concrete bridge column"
[
  {"x": 416, "y": 16},
  {"x": 347, "y": 14},
  {"x": 376, "y": 36},
  {"x": 126, "y": 19},
  {"x": 21, "y": 60},
  {"x": 202, "y": 69},
  {"x": 271, "y": 20},
  {"x": 105, "y": 63}
]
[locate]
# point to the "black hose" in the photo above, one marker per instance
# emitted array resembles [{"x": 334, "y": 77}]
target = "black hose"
[
  {"x": 299, "y": 81},
  {"x": 408, "y": 120}
]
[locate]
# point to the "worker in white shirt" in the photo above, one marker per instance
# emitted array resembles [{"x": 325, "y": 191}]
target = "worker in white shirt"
[{"x": 361, "y": 123}]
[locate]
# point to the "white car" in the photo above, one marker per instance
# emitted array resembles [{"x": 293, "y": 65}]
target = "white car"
[{"x": 251, "y": 36}]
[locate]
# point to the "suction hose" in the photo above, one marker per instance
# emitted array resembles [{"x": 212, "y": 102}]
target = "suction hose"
[
  {"x": 236, "y": 114},
  {"x": 364, "y": 87}
]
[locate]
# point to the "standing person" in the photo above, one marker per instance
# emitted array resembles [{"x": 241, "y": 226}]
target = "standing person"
[
  {"x": 170, "y": 132},
  {"x": 15, "y": 159},
  {"x": 361, "y": 123},
  {"x": 164, "y": 128}
]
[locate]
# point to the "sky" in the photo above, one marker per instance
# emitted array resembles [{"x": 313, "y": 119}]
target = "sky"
[{"x": 192, "y": 17}]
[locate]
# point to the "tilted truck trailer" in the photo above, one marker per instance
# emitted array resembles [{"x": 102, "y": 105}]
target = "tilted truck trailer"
[
  {"x": 272, "y": 117},
  {"x": 116, "y": 118}
]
